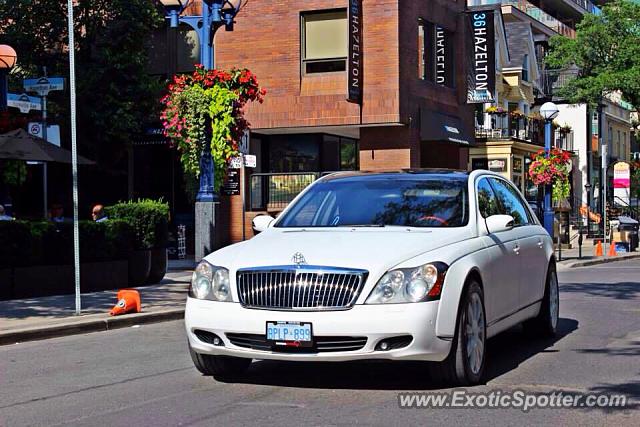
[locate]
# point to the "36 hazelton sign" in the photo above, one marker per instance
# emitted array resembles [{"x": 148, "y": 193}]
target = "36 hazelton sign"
[
  {"x": 355, "y": 52},
  {"x": 441, "y": 58},
  {"x": 481, "y": 80}
]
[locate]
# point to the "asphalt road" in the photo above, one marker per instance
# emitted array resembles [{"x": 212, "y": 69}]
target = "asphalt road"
[{"x": 144, "y": 376}]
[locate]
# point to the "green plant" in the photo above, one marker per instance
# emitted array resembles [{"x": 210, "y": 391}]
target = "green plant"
[
  {"x": 203, "y": 111},
  {"x": 553, "y": 169},
  {"x": 14, "y": 172},
  {"x": 15, "y": 243},
  {"x": 148, "y": 219}
]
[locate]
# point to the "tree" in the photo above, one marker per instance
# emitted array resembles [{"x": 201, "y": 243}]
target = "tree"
[
  {"x": 606, "y": 50},
  {"x": 115, "y": 93}
]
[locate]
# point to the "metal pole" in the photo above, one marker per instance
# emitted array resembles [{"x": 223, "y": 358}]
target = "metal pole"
[
  {"x": 243, "y": 182},
  {"x": 604, "y": 196},
  {"x": 548, "y": 210},
  {"x": 74, "y": 153},
  {"x": 45, "y": 184}
]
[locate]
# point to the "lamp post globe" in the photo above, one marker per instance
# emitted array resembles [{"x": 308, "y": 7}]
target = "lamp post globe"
[
  {"x": 549, "y": 111},
  {"x": 8, "y": 58}
]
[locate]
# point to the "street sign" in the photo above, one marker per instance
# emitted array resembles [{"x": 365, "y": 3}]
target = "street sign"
[
  {"x": 24, "y": 102},
  {"x": 243, "y": 147},
  {"x": 43, "y": 85},
  {"x": 235, "y": 163},
  {"x": 250, "y": 160},
  {"x": 231, "y": 184},
  {"x": 53, "y": 132}
]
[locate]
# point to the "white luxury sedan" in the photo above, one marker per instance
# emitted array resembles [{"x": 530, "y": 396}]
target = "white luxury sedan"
[{"x": 419, "y": 265}]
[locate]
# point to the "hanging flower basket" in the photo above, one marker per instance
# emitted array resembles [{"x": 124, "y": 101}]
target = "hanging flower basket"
[
  {"x": 496, "y": 110},
  {"x": 552, "y": 170},
  {"x": 565, "y": 129},
  {"x": 208, "y": 100},
  {"x": 517, "y": 114}
]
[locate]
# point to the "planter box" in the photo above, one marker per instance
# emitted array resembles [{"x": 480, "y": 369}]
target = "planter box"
[
  {"x": 6, "y": 284},
  {"x": 44, "y": 280}
]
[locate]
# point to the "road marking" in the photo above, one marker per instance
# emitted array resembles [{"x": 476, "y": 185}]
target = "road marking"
[{"x": 283, "y": 404}]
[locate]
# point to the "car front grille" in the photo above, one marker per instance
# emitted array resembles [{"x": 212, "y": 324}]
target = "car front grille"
[
  {"x": 320, "y": 344},
  {"x": 300, "y": 288}
]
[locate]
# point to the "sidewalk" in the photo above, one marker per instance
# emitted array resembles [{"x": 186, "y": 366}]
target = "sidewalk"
[
  {"x": 570, "y": 257},
  {"x": 46, "y": 317}
]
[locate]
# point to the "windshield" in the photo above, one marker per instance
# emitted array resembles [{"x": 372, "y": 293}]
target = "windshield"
[{"x": 381, "y": 201}]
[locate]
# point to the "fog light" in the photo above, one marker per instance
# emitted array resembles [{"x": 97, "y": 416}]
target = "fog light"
[
  {"x": 384, "y": 346},
  {"x": 217, "y": 341}
]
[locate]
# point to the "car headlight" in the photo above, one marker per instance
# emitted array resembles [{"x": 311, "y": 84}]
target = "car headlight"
[
  {"x": 210, "y": 282},
  {"x": 404, "y": 285}
]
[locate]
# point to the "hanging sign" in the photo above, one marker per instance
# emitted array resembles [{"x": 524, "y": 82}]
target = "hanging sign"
[
  {"x": 621, "y": 183},
  {"x": 354, "y": 62},
  {"x": 481, "y": 77}
]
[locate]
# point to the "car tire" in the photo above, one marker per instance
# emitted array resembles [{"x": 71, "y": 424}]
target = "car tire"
[
  {"x": 459, "y": 368},
  {"x": 219, "y": 366},
  {"x": 545, "y": 324}
]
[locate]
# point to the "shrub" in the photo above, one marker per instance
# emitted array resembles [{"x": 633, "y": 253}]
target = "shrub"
[
  {"x": 15, "y": 243},
  {"x": 148, "y": 218}
]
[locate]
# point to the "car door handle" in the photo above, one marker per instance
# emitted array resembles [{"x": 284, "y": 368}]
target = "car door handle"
[
  {"x": 540, "y": 244},
  {"x": 516, "y": 249}
]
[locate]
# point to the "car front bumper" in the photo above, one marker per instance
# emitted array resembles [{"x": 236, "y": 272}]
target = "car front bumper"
[{"x": 375, "y": 322}]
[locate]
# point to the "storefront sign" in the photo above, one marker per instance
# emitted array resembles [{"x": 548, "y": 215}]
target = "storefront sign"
[
  {"x": 231, "y": 185},
  {"x": 479, "y": 164},
  {"x": 481, "y": 79},
  {"x": 441, "y": 56},
  {"x": 517, "y": 165},
  {"x": 621, "y": 182},
  {"x": 497, "y": 165},
  {"x": 355, "y": 52}
]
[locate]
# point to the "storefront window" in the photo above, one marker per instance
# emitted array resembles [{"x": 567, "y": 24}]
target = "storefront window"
[
  {"x": 324, "y": 41},
  {"x": 348, "y": 154},
  {"x": 294, "y": 153}
]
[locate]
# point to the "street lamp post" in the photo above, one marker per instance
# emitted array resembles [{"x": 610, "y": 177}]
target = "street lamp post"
[
  {"x": 8, "y": 58},
  {"x": 215, "y": 14},
  {"x": 548, "y": 111}
]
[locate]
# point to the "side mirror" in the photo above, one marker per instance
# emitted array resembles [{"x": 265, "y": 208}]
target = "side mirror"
[
  {"x": 261, "y": 223},
  {"x": 498, "y": 223}
]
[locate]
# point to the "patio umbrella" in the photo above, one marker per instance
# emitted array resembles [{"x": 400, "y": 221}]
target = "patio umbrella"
[{"x": 21, "y": 145}]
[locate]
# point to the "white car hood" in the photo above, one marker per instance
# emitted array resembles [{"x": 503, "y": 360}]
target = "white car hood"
[{"x": 365, "y": 248}]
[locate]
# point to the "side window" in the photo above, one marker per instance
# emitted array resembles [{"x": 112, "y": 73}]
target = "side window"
[
  {"x": 487, "y": 202},
  {"x": 510, "y": 202}
]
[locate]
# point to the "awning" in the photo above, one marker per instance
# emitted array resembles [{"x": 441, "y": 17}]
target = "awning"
[{"x": 442, "y": 127}]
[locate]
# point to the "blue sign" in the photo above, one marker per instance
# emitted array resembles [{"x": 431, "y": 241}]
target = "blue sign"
[
  {"x": 43, "y": 85},
  {"x": 24, "y": 102}
]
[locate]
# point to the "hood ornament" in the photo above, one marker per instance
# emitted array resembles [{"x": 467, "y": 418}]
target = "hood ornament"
[{"x": 298, "y": 259}]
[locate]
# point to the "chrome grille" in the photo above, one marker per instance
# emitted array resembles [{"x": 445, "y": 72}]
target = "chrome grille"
[{"x": 300, "y": 288}]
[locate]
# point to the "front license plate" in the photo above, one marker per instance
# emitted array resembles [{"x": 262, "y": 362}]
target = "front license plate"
[{"x": 290, "y": 334}]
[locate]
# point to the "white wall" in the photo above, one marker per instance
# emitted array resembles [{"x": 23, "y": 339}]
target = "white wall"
[{"x": 575, "y": 115}]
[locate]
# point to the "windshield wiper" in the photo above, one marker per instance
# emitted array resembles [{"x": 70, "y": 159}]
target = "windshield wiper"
[{"x": 361, "y": 225}]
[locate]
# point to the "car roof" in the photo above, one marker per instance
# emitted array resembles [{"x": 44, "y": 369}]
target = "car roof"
[{"x": 411, "y": 174}]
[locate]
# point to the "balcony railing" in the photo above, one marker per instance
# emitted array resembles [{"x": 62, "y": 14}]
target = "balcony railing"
[
  {"x": 274, "y": 191},
  {"x": 529, "y": 130},
  {"x": 538, "y": 14},
  {"x": 506, "y": 127},
  {"x": 551, "y": 81}
]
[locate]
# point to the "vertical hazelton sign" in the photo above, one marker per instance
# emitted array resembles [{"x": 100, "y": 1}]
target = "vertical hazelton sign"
[
  {"x": 481, "y": 80},
  {"x": 355, "y": 52},
  {"x": 441, "y": 56}
]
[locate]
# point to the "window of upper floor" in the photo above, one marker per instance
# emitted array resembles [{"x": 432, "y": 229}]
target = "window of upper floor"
[
  {"x": 324, "y": 41},
  {"x": 525, "y": 68},
  {"x": 435, "y": 54}
]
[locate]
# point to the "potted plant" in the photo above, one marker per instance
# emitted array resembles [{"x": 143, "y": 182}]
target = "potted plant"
[
  {"x": 496, "y": 110},
  {"x": 517, "y": 114},
  {"x": 565, "y": 129},
  {"x": 148, "y": 218}
]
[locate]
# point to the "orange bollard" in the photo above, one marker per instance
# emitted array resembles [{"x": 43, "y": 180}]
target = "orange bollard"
[
  {"x": 128, "y": 302},
  {"x": 612, "y": 248},
  {"x": 599, "y": 251}
]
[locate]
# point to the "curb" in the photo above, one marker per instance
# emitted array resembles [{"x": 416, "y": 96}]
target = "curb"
[
  {"x": 603, "y": 260},
  {"x": 75, "y": 326}
]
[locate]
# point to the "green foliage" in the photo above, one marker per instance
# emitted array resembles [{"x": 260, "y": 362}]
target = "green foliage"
[
  {"x": 148, "y": 219},
  {"x": 25, "y": 243},
  {"x": 116, "y": 95},
  {"x": 14, "y": 172},
  {"x": 607, "y": 52}
]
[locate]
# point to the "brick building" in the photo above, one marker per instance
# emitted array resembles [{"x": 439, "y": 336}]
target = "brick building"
[{"x": 413, "y": 111}]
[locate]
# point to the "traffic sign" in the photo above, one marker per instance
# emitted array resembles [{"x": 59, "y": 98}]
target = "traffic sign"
[
  {"x": 43, "y": 85},
  {"x": 24, "y": 102},
  {"x": 250, "y": 160}
]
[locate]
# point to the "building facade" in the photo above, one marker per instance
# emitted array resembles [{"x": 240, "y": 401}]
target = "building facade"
[{"x": 412, "y": 114}]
